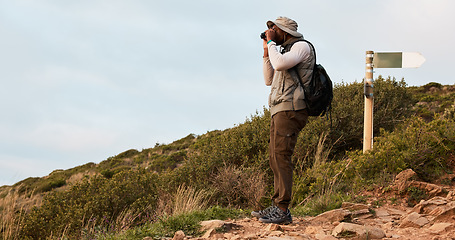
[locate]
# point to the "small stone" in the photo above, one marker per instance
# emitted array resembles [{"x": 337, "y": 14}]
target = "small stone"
[
  {"x": 320, "y": 236},
  {"x": 209, "y": 233},
  {"x": 276, "y": 233},
  {"x": 402, "y": 179},
  {"x": 250, "y": 236},
  {"x": 211, "y": 224},
  {"x": 354, "y": 206},
  {"x": 357, "y": 230},
  {"x": 451, "y": 196},
  {"x": 440, "y": 227},
  {"x": 336, "y": 215},
  {"x": 387, "y": 225},
  {"x": 179, "y": 235},
  {"x": 273, "y": 227},
  {"x": 414, "y": 220},
  {"x": 381, "y": 213},
  {"x": 313, "y": 230}
]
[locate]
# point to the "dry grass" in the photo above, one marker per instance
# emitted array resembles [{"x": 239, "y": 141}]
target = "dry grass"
[
  {"x": 185, "y": 199},
  {"x": 188, "y": 199},
  {"x": 11, "y": 216},
  {"x": 239, "y": 186}
]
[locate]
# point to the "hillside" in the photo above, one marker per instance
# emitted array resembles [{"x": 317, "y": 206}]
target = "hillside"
[{"x": 414, "y": 128}]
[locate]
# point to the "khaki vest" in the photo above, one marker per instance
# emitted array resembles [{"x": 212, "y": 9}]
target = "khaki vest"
[{"x": 287, "y": 94}]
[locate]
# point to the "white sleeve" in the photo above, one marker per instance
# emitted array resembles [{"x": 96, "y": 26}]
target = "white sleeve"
[
  {"x": 268, "y": 71},
  {"x": 280, "y": 62}
]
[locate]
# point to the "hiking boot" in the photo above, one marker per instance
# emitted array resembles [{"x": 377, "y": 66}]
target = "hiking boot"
[
  {"x": 263, "y": 213},
  {"x": 277, "y": 216}
]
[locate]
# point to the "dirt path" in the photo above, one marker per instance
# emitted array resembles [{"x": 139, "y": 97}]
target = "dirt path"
[
  {"x": 353, "y": 221},
  {"x": 433, "y": 219}
]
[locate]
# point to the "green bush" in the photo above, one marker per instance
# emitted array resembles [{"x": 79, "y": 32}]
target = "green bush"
[
  {"x": 162, "y": 163},
  {"x": 427, "y": 148},
  {"x": 97, "y": 201},
  {"x": 423, "y": 147},
  {"x": 392, "y": 104}
]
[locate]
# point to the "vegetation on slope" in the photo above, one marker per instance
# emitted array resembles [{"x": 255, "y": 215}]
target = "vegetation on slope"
[{"x": 141, "y": 193}]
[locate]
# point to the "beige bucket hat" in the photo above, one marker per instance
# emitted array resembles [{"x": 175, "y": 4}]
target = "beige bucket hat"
[{"x": 286, "y": 24}]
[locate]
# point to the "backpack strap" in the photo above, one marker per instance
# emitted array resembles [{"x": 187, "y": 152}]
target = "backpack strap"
[
  {"x": 293, "y": 71},
  {"x": 309, "y": 43}
]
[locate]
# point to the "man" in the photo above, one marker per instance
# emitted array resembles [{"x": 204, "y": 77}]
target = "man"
[{"x": 287, "y": 108}]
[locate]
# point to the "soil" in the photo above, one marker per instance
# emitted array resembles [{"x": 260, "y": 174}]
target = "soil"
[{"x": 387, "y": 214}]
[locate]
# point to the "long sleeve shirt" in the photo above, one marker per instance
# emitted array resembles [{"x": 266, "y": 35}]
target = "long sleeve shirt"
[
  {"x": 286, "y": 93},
  {"x": 299, "y": 52}
]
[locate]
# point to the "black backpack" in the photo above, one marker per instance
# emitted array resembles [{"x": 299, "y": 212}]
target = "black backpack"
[{"x": 319, "y": 92}]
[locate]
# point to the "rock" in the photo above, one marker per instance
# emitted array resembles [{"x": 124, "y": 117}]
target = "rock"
[
  {"x": 431, "y": 189},
  {"x": 324, "y": 237},
  {"x": 209, "y": 233},
  {"x": 439, "y": 208},
  {"x": 440, "y": 227},
  {"x": 414, "y": 220},
  {"x": 354, "y": 206},
  {"x": 276, "y": 233},
  {"x": 402, "y": 179},
  {"x": 336, "y": 215},
  {"x": 357, "y": 231},
  {"x": 381, "y": 213},
  {"x": 451, "y": 196},
  {"x": 212, "y": 224},
  {"x": 426, "y": 207},
  {"x": 361, "y": 214},
  {"x": 250, "y": 236},
  {"x": 282, "y": 238},
  {"x": 273, "y": 227},
  {"x": 395, "y": 212},
  {"x": 444, "y": 213},
  {"x": 312, "y": 230},
  {"x": 179, "y": 235}
]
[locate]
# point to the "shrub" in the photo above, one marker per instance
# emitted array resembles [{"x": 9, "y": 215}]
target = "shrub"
[
  {"x": 162, "y": 163},
  {"x": 98, "y": 201},
  {"x": 423, "y": 147},
  {"x": 344, "y": 131},
  {"x": 427, "y": 148},
  {"x": 239, "y": 187}
]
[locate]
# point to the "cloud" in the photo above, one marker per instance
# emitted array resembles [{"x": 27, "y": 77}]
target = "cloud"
[
  {"x": 88, "y": 79},
  {"x": 67, "y": 137},
  {"x": 14, "y": 168}
]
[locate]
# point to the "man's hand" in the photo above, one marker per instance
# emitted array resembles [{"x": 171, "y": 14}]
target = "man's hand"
[
  {"x": 264, "y": 44},
  {"x": 270, "y": 34}
]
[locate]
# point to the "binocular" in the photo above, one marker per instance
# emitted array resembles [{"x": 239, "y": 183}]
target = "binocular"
[{"x": 263, "y": 36}]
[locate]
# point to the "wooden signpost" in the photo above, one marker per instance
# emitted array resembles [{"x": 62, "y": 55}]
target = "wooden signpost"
[{"x": 382, "y": 60}]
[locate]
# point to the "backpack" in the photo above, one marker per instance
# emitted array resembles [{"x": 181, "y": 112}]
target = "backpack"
[{"x": 319, "y": 92}]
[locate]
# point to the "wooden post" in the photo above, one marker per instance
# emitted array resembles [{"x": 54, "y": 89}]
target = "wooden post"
[{"x": 369, "y": 101}]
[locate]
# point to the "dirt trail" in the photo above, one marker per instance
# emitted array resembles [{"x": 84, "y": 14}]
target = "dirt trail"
[
  {"x": 432, "y": 219},
  {"x": 386, "y": 222}
]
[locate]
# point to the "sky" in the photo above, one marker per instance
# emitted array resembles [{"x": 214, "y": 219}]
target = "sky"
[{"x": 85, "y": 80}]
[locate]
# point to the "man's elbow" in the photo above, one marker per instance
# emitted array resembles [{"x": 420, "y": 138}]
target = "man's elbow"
[{"x": 281, "y": 68}]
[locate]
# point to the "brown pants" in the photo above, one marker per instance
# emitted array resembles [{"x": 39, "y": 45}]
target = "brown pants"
[{"x": 284, "y": 130}]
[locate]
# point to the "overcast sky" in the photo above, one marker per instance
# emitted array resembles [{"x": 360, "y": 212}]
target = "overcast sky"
[{"x": 85, "y": 80}]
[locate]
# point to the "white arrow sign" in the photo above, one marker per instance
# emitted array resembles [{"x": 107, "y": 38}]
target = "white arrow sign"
[
  {"x": 397, "y": 60},
  {"x": 412, "y": 60}
]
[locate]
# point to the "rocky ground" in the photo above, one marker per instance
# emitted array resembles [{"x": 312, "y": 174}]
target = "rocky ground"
[{"x": 432, "y": 219}]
